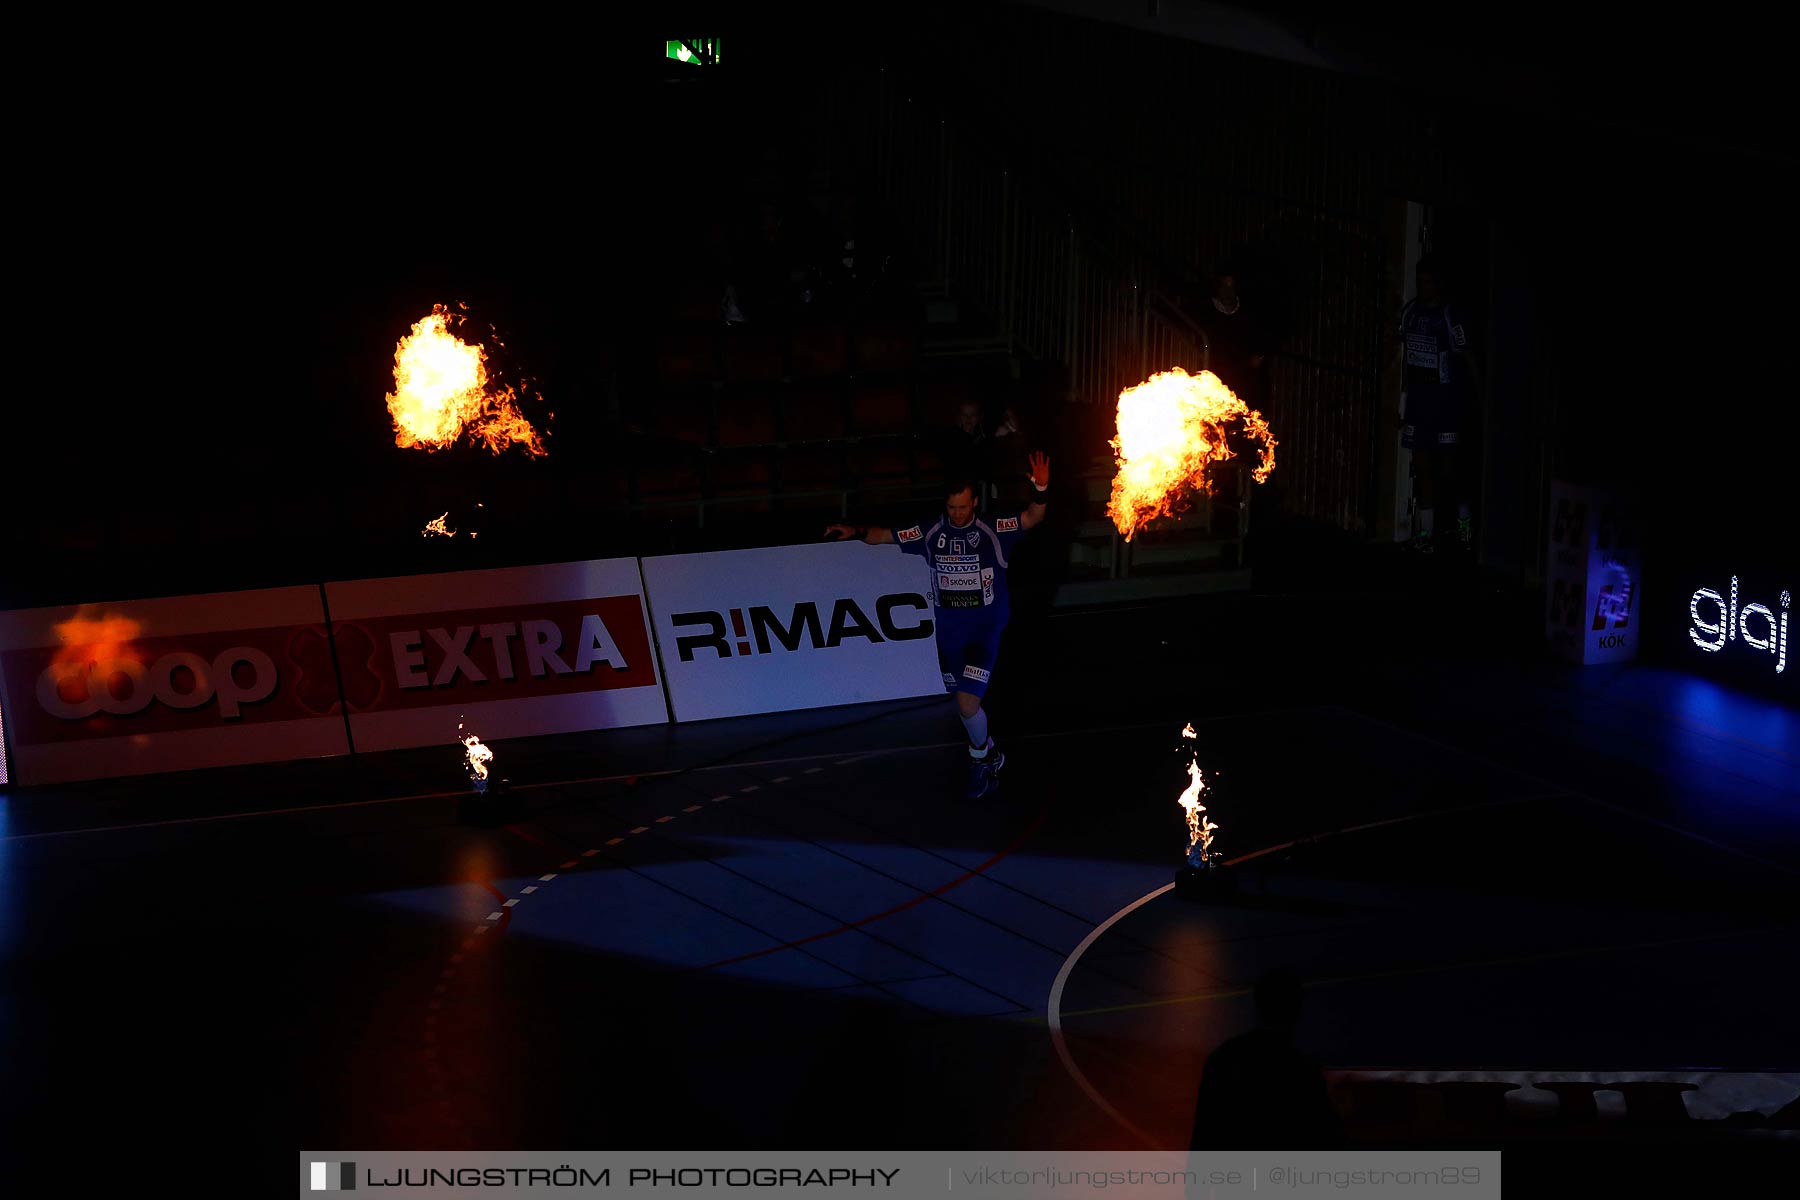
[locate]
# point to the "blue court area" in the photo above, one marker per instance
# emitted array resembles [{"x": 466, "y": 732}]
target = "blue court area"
[{"x": 791, "y": 931}]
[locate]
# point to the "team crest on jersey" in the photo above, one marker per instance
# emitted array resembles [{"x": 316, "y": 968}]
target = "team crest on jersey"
[
  {"x": 974, "y": 538},
  {"x": 910, "y": 535},
  {"x": 1007, "y": 525}
]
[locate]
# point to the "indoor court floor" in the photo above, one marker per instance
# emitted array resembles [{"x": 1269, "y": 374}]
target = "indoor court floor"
[{"x": 789, "y": 931}]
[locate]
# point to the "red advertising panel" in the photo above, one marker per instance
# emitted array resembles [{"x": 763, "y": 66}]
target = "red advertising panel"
[
  {"x": 138, "y": 686},
  {"x": 504, "y": 653}
]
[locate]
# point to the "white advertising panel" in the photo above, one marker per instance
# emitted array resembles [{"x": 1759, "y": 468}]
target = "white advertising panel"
[
  {"x": 506, "y": 653},
  {"x": 753, "y": 631}
]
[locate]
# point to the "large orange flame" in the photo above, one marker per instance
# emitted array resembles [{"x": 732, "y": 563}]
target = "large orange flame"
[
  {"x": 442, "y": 391},
  {"x": 1171, "y": 429}
]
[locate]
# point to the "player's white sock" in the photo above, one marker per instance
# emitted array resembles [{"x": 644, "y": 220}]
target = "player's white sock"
[{"x": 977, "y": 729}]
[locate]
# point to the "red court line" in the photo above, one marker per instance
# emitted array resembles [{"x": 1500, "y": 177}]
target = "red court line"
[
  {"x": 1030, "y": 829},
  {"x": 521, "y": 831}
]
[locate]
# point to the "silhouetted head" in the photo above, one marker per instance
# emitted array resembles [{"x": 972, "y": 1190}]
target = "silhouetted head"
[
  {"x": 968, "y": 416},
  {"x": 1430, "y": 281},
  {"x": 959, "y": 501},
  {"x": 1225, "y": 287},
  {"x": 1278, "y": 999}
]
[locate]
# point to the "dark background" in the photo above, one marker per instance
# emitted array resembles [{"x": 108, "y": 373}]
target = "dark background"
[{"x": 213, "y": 265}]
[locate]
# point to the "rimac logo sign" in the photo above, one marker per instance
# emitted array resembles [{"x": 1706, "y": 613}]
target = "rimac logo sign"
[
  {"x": 1718, "y": 622},
  {"x": 760, "y": 629}
]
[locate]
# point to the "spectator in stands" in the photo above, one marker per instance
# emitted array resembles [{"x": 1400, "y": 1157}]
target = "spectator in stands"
[
  {"x": 1257, "y": 1091},
  {"x": 967, "y": 445},
  {"x": 1008, "y": 463},
  {"x": 860, "y": 263},
  {"x": 1439, "y": 378},
  {"x": 760, "y": 289},
  {"x": 1239, "y": 337}
]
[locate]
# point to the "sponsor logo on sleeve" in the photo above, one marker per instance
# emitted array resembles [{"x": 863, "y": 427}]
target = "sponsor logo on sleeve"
[
  {"x": 910, "y": 535},
  {"x": 1007, "y": 525}
]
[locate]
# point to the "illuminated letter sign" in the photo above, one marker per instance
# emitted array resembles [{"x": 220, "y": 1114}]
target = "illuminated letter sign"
[{"x": 1718, "y": 620}]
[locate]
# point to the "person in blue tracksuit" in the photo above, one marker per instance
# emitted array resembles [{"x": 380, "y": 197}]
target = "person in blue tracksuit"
[{"x": 968, "y": 560}]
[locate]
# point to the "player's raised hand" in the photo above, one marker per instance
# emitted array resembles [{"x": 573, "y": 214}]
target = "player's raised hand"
[{"x": 1040, "y": 470}]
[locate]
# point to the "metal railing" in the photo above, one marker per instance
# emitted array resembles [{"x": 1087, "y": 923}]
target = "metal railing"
[
  {"x": 1082, "y": 220},
  {"x": 1010, "y": 242}
]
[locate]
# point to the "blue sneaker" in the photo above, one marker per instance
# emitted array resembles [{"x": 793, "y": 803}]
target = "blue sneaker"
[
  {"x": 984, "y": 773},
  {"x": 978, "y": 779}
]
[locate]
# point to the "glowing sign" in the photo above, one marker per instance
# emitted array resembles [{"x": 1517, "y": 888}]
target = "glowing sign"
[
  {"x": 702, "y": 51},
  {"x": 1593, "y": 576},
  {"x": 1734, "y": 620}
]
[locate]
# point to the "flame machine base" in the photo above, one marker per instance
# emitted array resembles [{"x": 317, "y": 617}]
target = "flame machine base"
[
  {"x": 1205, "y": 884},
  {"x": 489, "y": 804}
]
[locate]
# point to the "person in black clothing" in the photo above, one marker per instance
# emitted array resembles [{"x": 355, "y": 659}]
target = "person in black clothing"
[
  {"x": 1257, "y": 1092},
  {"x": 966, "y": 444},
  {"x": 1440, "y": 375},
  {"x": 1238, "y": 336}
]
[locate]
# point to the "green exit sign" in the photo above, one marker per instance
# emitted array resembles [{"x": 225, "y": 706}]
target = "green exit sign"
[{"x": 699, "y": 51}]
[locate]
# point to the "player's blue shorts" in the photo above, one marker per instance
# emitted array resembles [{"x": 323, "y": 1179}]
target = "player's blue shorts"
[
  {"x": 967, "y": 649},
  {"x": 1433, "y": 418}
]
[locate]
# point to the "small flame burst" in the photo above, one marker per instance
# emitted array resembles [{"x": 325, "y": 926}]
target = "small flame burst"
[
  {"x": 1171, "y": 429},
  {"x": 476, "y": 757},
  {"x": 1200, "y": 827},
  {"x": 94, "y": 636},
  {"x": 87, "y": 639},
  {"x": 438, "y": 527},
  {"x": 442, "y": 391}
]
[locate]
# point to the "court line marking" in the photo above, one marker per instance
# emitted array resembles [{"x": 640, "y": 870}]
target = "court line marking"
[
  {"x": 908, "y": 748},
  {"x": 1053, "y": 1009},
  {"x": 858, "y": 981},
  {"x": 1053, "y": 1015},
  {"x": 1432, "y": 968},
  {"x": 1037, "y": 823},
  {"x": 1575, "y": 792},
  {"x": 1015, "y": 1007}
]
